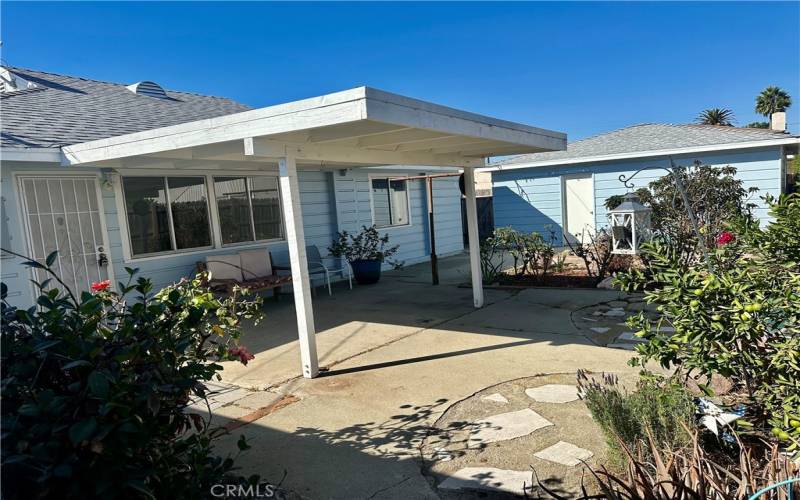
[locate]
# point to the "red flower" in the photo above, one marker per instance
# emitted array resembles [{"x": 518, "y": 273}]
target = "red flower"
[
  {"x": 725, "y": 237},
  {"x": 99, "y": 287},
  {"x": 242, "y": 353}
]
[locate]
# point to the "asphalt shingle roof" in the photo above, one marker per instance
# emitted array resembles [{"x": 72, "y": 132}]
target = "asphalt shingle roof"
[
  {"x": 65, "y": 110},
  {"x": 650, "y": 137}
]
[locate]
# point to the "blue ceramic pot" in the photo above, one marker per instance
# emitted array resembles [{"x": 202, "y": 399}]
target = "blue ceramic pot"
[{"x": 366, "y": 272}]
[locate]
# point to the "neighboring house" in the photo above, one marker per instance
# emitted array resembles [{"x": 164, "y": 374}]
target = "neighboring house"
[
  {"x": 566, "y": 190},
  {"x": 166, "y": 215}
]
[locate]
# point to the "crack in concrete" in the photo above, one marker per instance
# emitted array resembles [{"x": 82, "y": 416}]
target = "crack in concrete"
[{"x": 387, "y": 488}]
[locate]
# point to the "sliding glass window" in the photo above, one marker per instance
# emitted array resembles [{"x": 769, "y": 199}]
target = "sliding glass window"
[
  {"x": 166, "y": 214},
  {"x": 249, "y": 208}
]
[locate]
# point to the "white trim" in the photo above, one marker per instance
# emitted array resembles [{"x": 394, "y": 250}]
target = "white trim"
[
  {"x": 644, "y": 154},
  {"x": 213, "y": 213},
  {"x": 295, "y": 238},
  {"x": 472, "y": 237},
  {"x": 372, "y": 203},
  {"x": 39, "y": 155},
  {"x": 371, "y": 109}
]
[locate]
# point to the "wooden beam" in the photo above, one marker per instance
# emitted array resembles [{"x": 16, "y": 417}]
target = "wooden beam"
[
  {"x": 350, "y": 132},
  {"x": 295, "y": 237},
  {"x": 266, "y": 148},
  {"x": 472, "y": 235},
  {"x": 400, "y": 137},
  {"x": 454, "y": 143}
]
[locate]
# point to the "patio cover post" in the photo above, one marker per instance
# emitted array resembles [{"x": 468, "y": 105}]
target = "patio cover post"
[
  {"x": 472, "y": 233},
  {"x": 295, "y": 237}
]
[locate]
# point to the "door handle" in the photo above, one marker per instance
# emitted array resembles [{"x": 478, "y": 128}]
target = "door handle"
[{"x": 102, "y": 258}]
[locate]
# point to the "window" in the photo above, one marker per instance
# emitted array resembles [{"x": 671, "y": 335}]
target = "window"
[
  {"x": 166, "y": 213},
  {"x": 389, "y": 202},
  {"x": 249, "y": 208}
]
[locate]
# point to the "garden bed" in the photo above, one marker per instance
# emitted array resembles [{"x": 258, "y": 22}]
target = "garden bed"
[{"x": 569, "y": 278}]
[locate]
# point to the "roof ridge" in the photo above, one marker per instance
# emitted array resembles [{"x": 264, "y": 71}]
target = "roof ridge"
[{"x": 106, "y": 82}]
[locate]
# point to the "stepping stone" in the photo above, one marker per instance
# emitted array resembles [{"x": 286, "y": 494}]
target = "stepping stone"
[
  {"x": 564, "y": 453},
  {"x": 593, "y": 320},
  {"x": 496, "y": 397},
  {"x": 615, "y": 313},
  {"x": 488, "y": 479},
  {"x": 630, "y": 337},
  {"x": 599, "y": 329},
  {"x": 553, "y": 393},
  {"x": 506, "y": 426},
  {"x": 667, "y": 329}
]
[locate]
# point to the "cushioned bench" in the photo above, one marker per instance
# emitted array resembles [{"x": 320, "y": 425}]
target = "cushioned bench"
[{"x": 251, "y": 269}]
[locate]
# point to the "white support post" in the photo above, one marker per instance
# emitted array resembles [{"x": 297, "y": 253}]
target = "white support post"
[
  {"x": 472, "y": 233},
  {"x": 295, "y": 237}
]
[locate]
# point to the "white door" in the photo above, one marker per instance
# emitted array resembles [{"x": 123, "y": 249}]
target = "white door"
[
  {"x": 579, "y": 206},
  {"x": 62, "y": 214}
]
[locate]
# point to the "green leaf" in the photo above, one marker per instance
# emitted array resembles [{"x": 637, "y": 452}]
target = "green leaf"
[
  {"x": 29, "y": 410},
  {"x": 50, "y": 260},
  {"x": 98, "y": 384},
  {"x": 76, "y": 363},
  {"x": 139, "y": 486},
  {"x": 82, "y": 431}
]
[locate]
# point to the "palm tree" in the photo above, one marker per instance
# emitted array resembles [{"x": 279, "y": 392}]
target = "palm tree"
[
  {"x": 716, "y": 116},
  {"x": 772, "y": 100}
]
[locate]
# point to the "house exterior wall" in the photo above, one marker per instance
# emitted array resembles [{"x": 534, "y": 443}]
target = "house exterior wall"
[
  {"x": 530, "y": 199},
  {"x": 329, "y": 202}
]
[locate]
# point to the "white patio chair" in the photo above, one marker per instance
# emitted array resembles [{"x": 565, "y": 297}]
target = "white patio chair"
[{"x": 316, "y": 266}]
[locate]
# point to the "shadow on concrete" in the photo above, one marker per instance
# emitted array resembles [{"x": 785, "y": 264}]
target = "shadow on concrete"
[
  {"x": 364, "y": 460},
  {"x": 403, "y": 305},
  {"x": 419, "y": 359}
]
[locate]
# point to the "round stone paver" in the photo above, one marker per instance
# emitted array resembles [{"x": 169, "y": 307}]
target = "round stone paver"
[
  {"x": 553, "y": 393},
  {"x": 449, "y": 451}
]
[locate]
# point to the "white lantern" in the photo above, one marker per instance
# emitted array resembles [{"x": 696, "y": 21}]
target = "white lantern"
[{"x": 630, "y": 225}]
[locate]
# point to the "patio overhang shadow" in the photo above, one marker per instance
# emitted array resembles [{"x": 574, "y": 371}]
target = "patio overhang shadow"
[{"x": 361, "y": 127}]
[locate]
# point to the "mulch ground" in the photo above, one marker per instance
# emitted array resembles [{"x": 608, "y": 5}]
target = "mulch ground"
[{"x": 569, "y": 278}]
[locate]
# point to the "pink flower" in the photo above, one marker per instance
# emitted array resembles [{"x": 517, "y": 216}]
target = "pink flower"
[
  {"x": 99, "y": 287},
  {"x": 242, "y": 353},
  {"x": 725, "y": 237}
]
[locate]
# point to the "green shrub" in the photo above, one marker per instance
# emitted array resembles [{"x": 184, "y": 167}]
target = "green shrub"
[
  {"x": 595, "y": 252},
  {"x": 716, "y": 196},
  {"x": 658, "y": 408},
  {"x": 741, "y": 319},
  {"x": 95, "y": 388},
  {"x": 531, "y": 253},
  {"x": 367, "y": 244}
]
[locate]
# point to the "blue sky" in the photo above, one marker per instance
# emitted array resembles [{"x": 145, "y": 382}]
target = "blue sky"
[{"x": 582, "y": 68}]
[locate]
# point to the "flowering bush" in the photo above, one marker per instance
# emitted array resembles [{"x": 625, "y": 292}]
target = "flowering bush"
[
  {"x": 368, "y": 244},
  {"x": 95, "y": 388},
  {"x": 739, "y": 319},
  {"x": 716, "y": 196}
]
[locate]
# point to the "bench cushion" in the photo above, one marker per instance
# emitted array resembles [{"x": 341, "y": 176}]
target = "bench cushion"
[
  {"x": 255, "y": 264},
  {"x": 225, "y": 267}
]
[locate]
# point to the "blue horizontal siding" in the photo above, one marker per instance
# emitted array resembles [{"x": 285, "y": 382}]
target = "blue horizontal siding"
[
  {"x": 528, "y": 199},
  {"x": 329, "y": 202}
]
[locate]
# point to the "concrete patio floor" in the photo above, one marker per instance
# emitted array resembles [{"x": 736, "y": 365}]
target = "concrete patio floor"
[{"x": 397, "y": 355}]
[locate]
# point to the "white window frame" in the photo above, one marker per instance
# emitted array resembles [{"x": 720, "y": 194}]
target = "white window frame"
[
  {"x": 211, "y": 201},
  {"x": 370, "y": 177},
  {"x": 218, "y": 238},
  {"x": 175, "y": 250}
]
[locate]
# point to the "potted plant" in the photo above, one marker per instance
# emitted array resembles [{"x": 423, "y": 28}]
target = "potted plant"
[{"x": 365, "y": 251}]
